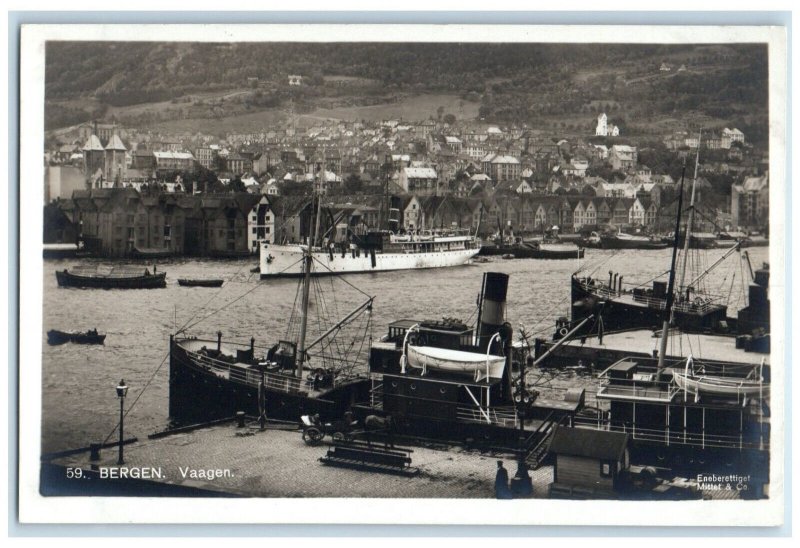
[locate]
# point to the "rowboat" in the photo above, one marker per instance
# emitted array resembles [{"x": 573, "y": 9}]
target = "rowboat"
[
  {"x": 721, "y": 386},
  {"x": 200, "y": 283},
  {"x": 54, "y": 337},
  {"x": 474, "y": 364}
]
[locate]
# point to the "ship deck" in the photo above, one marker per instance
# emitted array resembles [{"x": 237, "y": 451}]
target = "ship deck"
[
  {"x": 699, "y": 346},
  {"x": 245, "y": 373}
]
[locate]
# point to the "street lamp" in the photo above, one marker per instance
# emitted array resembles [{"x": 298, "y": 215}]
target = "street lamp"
[{"x": 122, "y": 391}]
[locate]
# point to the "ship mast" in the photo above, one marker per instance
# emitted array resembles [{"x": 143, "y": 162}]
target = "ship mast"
[
  {"x": 671, "y": 288},
  {"x": 690, "y": 221},
  {"x": 308, "y": 263}
]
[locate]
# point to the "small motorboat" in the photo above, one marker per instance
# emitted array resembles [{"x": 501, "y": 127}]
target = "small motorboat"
[
  {"x": 186, "y": 282},
  {"x": 54, "y": 337}
]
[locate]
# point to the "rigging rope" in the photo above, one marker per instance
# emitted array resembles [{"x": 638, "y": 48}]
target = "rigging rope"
[
  {"x": 601, "y": 263},
  {"x": 259, "y": 284},
  {"x": 342, "y": 278}
]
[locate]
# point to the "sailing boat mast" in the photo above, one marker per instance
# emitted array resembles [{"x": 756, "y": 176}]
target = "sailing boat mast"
[
  {"x": 690, "y": 221},
  {"x": 308, "y": 263},
  {"x": 671, "y": 288}
]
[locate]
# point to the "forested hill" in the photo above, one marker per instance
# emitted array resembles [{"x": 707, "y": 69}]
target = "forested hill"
[
  {"x": 145, "y": 68},
  {"x": 511, "y": 81}
]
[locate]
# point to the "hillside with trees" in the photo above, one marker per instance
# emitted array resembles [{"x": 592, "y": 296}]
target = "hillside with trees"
[{"x": 554, "y": 86}]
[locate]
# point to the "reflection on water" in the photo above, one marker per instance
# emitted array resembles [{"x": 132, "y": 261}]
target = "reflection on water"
[{"x": 79, "y": 400}]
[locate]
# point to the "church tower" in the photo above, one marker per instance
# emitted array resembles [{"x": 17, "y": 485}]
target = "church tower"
[
  {"x": 115, "y": 164},
  {"x": 602, "y": 125},
  {"x": 93, "y": 160}
]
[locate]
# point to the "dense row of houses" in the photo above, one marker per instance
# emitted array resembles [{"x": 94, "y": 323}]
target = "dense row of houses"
[
  {"x": 438, "y": 174},
  {"x": 123, "y": 221}
]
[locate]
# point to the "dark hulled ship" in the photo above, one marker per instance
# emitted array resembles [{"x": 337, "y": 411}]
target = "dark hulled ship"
[
  {"x": 436, "y": 379},
  {"x": 687, "y": 399},
  {"x": 520, "y": 249}
]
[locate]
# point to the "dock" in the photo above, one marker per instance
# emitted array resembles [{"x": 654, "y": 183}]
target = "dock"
[
  {"x": 224, "y": 460},
  {"x": 247, "y": 462}
]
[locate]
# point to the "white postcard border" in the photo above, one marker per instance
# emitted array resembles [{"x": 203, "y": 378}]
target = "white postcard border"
[{"x": 33, "y": 508}]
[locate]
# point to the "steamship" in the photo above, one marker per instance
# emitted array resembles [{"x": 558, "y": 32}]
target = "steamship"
[
  {"x": 436, "y": 378},
  {"x": 687, "y": 397},
  {"x": 376, "y": 252}
]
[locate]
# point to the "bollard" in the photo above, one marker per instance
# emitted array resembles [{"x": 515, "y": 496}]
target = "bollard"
[
  {"x": 240, "y": 419},
  {"x": 94, "y": 451}
]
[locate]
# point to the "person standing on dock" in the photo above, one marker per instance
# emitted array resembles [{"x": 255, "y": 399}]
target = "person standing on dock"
[{"x": 501, "y": 490}]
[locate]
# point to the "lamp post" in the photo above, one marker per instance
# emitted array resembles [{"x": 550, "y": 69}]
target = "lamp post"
[{"x": 122, "y": 391}]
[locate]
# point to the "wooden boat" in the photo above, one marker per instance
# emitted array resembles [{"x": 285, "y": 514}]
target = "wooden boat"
[
  {"x": 151, "y": 252},
  {"x": 622, "y": 240},
  {"x": 187, "y": 282},
  {"x": 113, "y": 278},
  {"x": 456, "y": 361},
  {"x": 533, "y": 250},
  {"x": 54, "y": 337}
]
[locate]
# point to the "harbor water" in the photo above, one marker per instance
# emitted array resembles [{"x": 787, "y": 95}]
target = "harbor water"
[{"x": 78, "y": 382}]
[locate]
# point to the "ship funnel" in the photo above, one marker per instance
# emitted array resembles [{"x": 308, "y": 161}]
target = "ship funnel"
[{"x": 492, "y": 307}]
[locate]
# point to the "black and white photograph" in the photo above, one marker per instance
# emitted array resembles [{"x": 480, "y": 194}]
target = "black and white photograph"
[{"x": 504, "y": 271}]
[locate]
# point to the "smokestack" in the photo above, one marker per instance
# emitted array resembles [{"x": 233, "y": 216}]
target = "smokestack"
[{"x": 492, "y": 312}]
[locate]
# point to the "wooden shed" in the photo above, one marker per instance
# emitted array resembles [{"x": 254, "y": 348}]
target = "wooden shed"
[{"x": 588, "y": 462}]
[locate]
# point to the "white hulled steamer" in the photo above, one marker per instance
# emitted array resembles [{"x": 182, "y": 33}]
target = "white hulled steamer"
[{"x": 376, "y": 252}]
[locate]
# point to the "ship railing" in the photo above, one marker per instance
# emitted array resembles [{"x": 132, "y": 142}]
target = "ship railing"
[
  {"x": 677, "y": 436},
  {"x": 644, "y": 390},
  {"x": 648, "y": 366},
  {"x": 501, "y": 416},
  {"x": 698, "y": 305},
  {"x": 651, "y": 302},
  {"x": 599, "y": 289},
  {"x": 246, "y": 376}
]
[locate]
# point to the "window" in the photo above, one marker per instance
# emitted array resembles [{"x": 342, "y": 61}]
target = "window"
[
  {"x": 605, "y": 469},
  {"x": 255, "y": 230}
]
